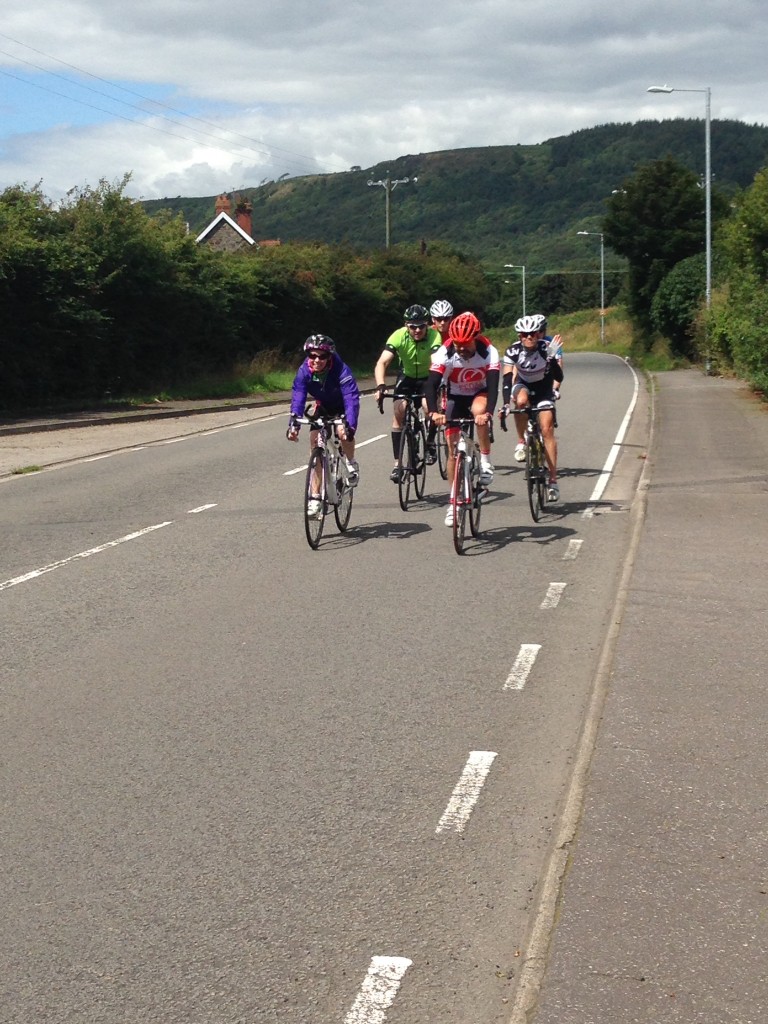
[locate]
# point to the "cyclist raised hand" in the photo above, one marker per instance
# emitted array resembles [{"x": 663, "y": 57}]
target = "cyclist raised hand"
[
  {"x": 469, "y": 363},
  {"x": 530, "y": 376},
  {"x": 413, "y": 346},
  {"x": 324, "y": 377}
]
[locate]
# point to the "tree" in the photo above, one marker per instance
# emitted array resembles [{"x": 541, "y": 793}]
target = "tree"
[
  {"x": 677, "y": 302},
  {"x": 655, "y": 220}
]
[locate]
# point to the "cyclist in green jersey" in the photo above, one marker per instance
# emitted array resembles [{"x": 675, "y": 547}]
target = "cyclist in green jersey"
[{"x": 413, "y": 346}]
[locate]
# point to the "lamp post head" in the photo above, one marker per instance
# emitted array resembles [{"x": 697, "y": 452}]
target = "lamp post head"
[{"x": 660, "y": 88}]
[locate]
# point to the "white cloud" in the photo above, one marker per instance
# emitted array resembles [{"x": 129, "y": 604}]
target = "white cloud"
[{"x": 302, "y": 87}]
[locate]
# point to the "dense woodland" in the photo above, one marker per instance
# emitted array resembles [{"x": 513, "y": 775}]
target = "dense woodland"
[
  {"x": 103, "y": 296},
  {"x": 499, "y": 204}
]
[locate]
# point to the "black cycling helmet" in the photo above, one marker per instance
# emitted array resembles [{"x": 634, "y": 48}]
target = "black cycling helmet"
[
  {"x": 416, "y": 315},
  {"x": 319, "y": 343}
]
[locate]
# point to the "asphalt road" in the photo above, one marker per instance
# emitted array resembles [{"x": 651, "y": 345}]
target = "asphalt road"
[{"x": 237, "y": 773}]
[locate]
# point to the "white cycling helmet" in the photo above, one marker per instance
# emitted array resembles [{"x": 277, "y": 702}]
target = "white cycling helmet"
[
  {"x": 526, "y": 324},
  {"x": 441, "y": 308}
]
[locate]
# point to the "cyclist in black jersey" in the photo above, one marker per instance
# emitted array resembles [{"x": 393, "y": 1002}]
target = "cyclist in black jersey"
[
  {"x": 413, "y": 346},
  {"x": 530, "y": 377}
]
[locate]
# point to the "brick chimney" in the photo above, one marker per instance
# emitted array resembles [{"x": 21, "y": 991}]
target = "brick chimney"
[
  {"x": 223, "y": 204},
  {"x": 243, "y": 216}
]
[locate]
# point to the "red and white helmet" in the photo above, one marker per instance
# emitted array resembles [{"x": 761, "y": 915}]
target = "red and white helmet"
[{"x": 464, "y": 328}]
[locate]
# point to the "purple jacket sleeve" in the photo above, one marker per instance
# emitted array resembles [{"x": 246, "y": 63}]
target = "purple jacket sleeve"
[
  {"x": 299, "y": 390},
  {"x": 351, "y": 395}
]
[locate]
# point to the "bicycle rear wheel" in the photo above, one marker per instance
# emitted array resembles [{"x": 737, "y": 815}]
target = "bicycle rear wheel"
[
  {"x": 314, "y": 522},
  {"x": 343, "y": 509},
  {"x": 533, "y": 475},
  {"x": 442, "y": 452},
  {"x": 463, "y": 501},
  {"x": 407, "y": 468}
]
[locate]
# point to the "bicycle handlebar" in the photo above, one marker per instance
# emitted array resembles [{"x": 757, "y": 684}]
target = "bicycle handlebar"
[
  {"x": 531, "y": 411},
  {"x": 396, "y": 396}
]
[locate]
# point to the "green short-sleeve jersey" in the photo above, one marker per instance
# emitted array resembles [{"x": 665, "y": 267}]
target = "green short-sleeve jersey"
[{"x": 414, "y": 357}]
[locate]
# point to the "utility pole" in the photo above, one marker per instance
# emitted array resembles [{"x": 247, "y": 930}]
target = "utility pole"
[
  {"x": 518, "y": 266},
  {"x": 389, "y": 185}
]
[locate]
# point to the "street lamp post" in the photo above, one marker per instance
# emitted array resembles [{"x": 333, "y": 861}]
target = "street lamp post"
[
  {"x": 389, "y": 185},
  {"x": 602, "y": 280},
  {"x": 518, "y": 266},
  {"x": 707, "y": 176}
]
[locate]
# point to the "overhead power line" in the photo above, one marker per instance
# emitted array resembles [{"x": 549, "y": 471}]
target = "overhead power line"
[{"x": 261, "y": 143}]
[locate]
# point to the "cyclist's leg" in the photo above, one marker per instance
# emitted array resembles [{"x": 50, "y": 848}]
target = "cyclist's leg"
[
  {"x": 520, "y": 398},
  {"x": 479, "y": 406}
]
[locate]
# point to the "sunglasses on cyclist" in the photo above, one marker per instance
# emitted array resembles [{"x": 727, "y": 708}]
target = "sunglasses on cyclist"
[
  {"x": 417, "y": 327},
  {"x": 323, "y": 357},
  {"x": 528, "y": 334}
]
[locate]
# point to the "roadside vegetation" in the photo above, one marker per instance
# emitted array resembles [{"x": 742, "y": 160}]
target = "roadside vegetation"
[{"x": 102, "y": 303}]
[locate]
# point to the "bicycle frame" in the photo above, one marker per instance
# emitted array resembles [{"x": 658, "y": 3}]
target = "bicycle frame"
[
  {"x": 466, "y": 493},
  {"x": 535, "y": 457},
  {"x": 413, "y": 440},
  {"x": 327, "y": 479}
]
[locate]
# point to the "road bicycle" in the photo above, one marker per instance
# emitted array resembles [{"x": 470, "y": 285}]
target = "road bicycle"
[
  {"x": 467, "y": 492},
  {"x": 536, "y": 472},
  {"x": 327, "y": 480},
  {"x": 413, "y": 447}
]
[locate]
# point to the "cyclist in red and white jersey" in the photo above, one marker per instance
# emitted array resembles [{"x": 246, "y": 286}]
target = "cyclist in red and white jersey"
[{"x": 470, "y": 365}]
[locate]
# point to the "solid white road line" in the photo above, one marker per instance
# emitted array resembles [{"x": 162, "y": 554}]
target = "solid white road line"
[
  {"x": 82, "y": 554},
  {"x": 378, "y": 990},
  {"x": 467, "y": 792},
  {"x": 605, "y": 476},
  {"x": 523, "y": 664},
  {"x": 553, "y": 595},
  {"x": 572, "y": 551}
]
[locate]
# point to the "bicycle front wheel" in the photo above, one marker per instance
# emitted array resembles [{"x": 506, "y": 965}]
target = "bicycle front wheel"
[
  {"x": 419, "y": 458},
  {"x": 442, "y": 453},
  {"x": 463, "y": 501},
  {"x": 476, "y": 506},
  {"x": 407, "y": 481},
  {"x": 343, "y": 509},
  {"x": 533, "y": 476},
  {"x": 314, "y": 516}
]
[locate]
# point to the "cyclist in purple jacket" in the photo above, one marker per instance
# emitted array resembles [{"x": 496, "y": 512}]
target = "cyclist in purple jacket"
[{"x": 324, "y": 377}]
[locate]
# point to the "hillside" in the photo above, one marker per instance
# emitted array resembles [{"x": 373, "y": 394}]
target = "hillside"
[{"x": 516, "y": 204}]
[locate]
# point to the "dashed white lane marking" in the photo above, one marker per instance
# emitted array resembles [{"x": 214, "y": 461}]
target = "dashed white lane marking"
[
  {"x": 553, "y": 595},
  {"x": 81, "y": 554},
  {"x": 572, "y": 551},
  {"x": 518, "y": 675},
  {"x": 467, "y": 791},
  {"x": 201, "y": 508},
  {"x": 378, "y": 990},
  {"x": 360, "y": 444}
]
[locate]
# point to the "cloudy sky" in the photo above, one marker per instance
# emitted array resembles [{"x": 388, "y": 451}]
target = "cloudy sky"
[{"x": 194, "y": 97}]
